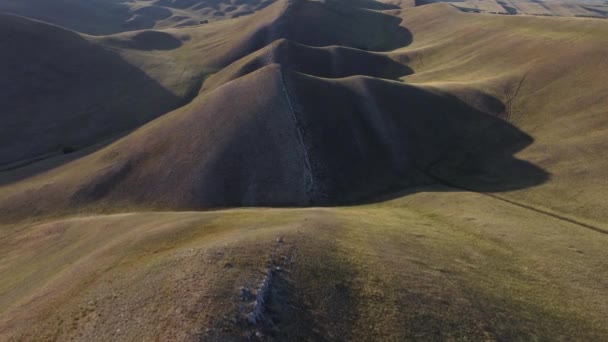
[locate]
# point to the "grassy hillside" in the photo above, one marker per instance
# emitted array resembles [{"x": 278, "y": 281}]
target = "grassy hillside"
[
  {"x": 102, "y": 17},
  {"x": 560, "y": 101},
  {"x": 291, "y": 139},
  {"x": 435, "y": 265},
  {"x": 564, "y": 8},
  {"x": 511, "y": 78},
  {"x": 62, "y": 92},
  {"x": 447, "y": 165}
]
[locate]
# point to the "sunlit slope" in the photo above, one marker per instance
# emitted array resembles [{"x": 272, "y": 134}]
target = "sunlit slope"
[
  {"x": 102, "y": 17},
  {"x": 72, "y": 91},
  {"x": 90, "y": 16},
  {"x": 434, "y": 265},
  {"x": 548, "y": 71},
  {"x": 326, "y": 62}
]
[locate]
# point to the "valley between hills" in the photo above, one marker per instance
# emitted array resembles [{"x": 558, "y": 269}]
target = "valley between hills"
[{"x": 296, "y": 170}]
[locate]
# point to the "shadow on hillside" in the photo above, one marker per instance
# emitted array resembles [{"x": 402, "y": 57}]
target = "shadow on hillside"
[
  {"x": 296, "y": 140},
  {"x": 73, "y": 95},
  {"x": 358, "y": 140},
  {"x": 369, "y": 137},
  {"x": 95, "y": 17},
  {"x": 324, "y": 24},
  {"x": 146, "y": 17},
  {"x": 30, "y": 168},
  {"x": 147, "y": 41},
  {"x": 461, "y": 148},
  {"x": 333, "y": 62},
  {"x": 365, "y": 29}
]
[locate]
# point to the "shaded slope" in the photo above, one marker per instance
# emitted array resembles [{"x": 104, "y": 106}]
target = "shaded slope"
[
  {"x": 561, "y": 103},
  {"x": 146, "y": 40},
  {"x": 444, "y": 66},
  {"x": 318, "y": 24},
  {"x": 64, "y": 87},
  {"x": 62, "y": 91},
  {"x": 102, "y": 17},
  {"x": 209, "y": 48},
  {"x": 87, "y": 16},
  {"x": 290, "y": 139},
  {"x": 327, "y": 62},
  {"x": 200, "y": 152},
  {"x": 340, "y": 23}
]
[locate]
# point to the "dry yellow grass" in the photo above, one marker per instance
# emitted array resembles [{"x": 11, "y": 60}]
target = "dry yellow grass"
[
  {"x": 430, "y": 265},
  {"x": 561, "y": 104}
]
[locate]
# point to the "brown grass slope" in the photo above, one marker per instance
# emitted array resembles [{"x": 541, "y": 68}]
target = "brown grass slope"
[
  {"x": 561, "y": 102},
  {"x": 291, "y": 139},
  {"x": 332, "y": 26},
  {"x": 136, "y": 76},
  {"x": 477, "y": 269},
  {"x": 209, "y": 48},
  {"x": 60, "y": 91},
  {"x": 102, "y": 17},
  {"x": 181, "y": 58},
  {"x": 326, "y": 62},
  {"x": 91, "y": 16},
  {"x": 296, "y": 121},
  {"x": 441, "y": 61}
]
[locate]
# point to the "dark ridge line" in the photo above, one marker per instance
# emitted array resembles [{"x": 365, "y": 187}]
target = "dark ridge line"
[
  {"x": 515, "y": 203},
  {"x": 10, "y": 166}
]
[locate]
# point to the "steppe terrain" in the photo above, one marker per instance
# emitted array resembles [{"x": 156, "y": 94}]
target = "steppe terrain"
[
  {"x": 301, "y": 170},
  {"x": 564, "y": 8}
]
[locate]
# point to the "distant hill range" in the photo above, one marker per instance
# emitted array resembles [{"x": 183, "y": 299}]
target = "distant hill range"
[
  {"x": 563, "y": 8},
  {"x": 102, "y": 17}
]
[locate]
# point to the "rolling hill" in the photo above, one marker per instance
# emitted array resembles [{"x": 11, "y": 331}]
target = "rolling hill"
[
  {"x": 63, "y": 92},
  {"x": 309, "y": 170},
  {"x": 585, "y": 8},
  {"x": 102, "y": 17}
]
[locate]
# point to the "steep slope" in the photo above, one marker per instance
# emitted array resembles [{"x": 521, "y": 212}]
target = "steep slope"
[
  {"x": 334, "y": 24},
  {"x": 326, "y": 62},
  {"x": 62, "y": 92},
  {"x": 102, "y": 17},
  {"x": 209, "y": 48},
  {"x": 90, "y": 16},
  {"x": 464, "y": 146},
  {"x": 451, "y": 76},
  {"x": 290, "y": 139}
]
